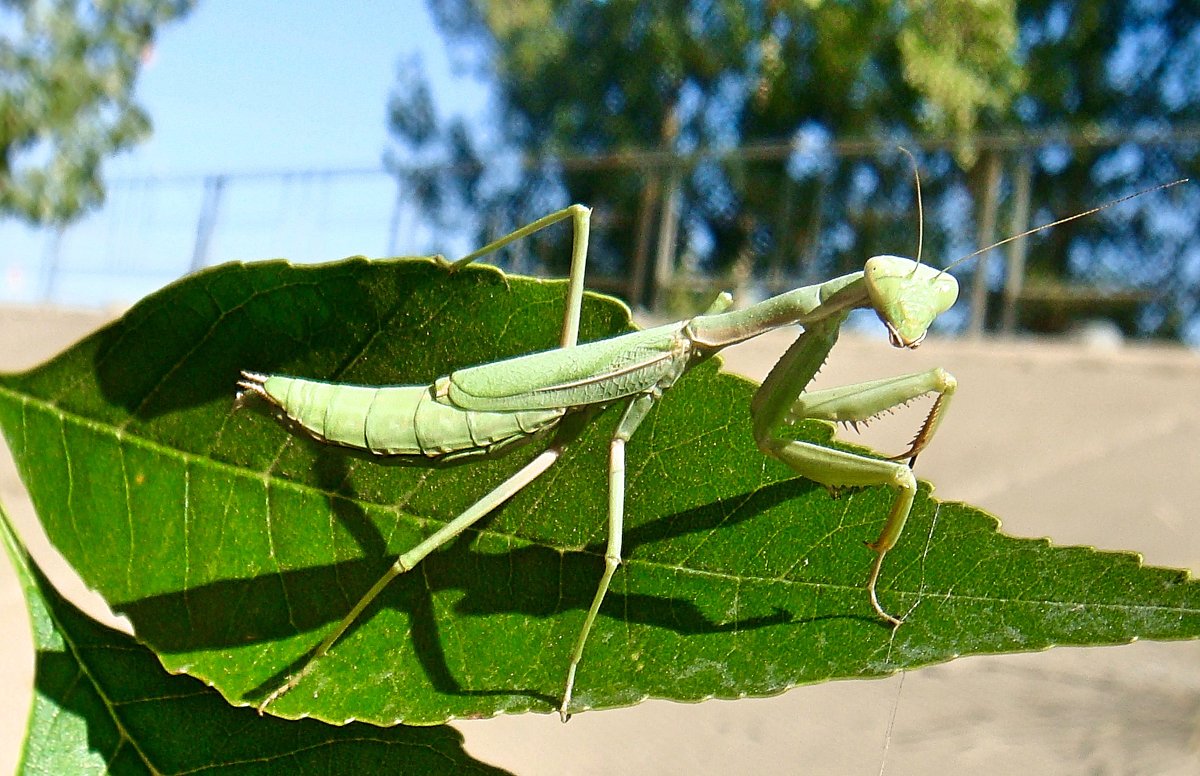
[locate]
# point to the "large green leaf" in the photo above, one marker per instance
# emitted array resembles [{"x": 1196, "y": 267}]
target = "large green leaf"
[
  {"x": 103, "y": 704},
  {"x": 234, "y": 545}
]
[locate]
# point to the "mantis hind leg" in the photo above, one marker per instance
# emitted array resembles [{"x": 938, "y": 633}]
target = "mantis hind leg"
[
  {"x": 581, "y": 223},
  {"x": 408, "y": 560}
]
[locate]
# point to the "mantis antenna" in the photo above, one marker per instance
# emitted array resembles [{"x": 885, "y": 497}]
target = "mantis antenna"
[
  {"x": 1036, "y": 229},
  {"x": 920, "y": 207}
]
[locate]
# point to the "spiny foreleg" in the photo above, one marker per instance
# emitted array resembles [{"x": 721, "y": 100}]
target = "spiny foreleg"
[
  {"x": 781, "y": 397},
  {"x": 861, "y": 402}
]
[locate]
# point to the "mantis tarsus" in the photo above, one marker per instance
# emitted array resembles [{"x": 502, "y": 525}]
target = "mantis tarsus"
[{"x": 485, "y": 409}]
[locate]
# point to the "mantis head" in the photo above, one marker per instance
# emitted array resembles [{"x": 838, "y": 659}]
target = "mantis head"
[{"x": 907, "y": 296}]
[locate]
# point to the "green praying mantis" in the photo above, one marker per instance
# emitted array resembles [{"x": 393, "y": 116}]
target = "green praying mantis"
[{"x": 487, "y": 409}]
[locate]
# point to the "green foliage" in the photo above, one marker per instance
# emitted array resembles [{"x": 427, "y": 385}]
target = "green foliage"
[
  {"x": 67, "y": 101},
  {"x": 234, "y": 545},
  {"x": 959, "y": 56},
  {"x": 601, "y": 80},
  {"x": 579, "y": 76},
  {"x": 104, "y": 704}
]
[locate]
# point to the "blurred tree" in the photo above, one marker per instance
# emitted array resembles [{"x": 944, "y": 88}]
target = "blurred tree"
[
  {"x": 790, "y": 102},
  {"x": 646, "y": 81},
  {"x": 68, "y": 70}
]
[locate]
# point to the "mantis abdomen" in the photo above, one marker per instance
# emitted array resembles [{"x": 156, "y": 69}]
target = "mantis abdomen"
[{"x": 396, "y": 419}]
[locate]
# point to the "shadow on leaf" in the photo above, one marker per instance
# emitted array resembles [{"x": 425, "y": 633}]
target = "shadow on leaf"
[{"x": 531, "y": 581}]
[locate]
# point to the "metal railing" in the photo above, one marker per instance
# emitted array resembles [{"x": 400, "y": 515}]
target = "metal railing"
[{"x": 830, "y": 206}]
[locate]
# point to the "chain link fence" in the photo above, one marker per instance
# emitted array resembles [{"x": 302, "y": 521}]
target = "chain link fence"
[{"x": 756, "y": 220}]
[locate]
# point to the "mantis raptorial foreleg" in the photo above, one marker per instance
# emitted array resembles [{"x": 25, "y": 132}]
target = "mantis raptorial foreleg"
[
  {"x": 781, "y": 398},
  {"x": 861, "y": 402}
]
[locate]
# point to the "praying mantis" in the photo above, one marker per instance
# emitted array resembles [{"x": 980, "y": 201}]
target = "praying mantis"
[{"x": 486, "y": 410}]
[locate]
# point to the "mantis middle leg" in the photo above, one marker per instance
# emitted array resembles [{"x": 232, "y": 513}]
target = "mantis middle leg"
[
  {"x": 635, "y": 413},
  {"x": 782, "y": 398}
]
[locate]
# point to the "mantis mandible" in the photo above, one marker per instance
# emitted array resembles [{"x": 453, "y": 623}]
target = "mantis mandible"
[{"x": 485, "y": 409}]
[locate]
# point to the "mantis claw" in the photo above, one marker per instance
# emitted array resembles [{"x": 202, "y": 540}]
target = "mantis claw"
[
  {"x": 945, "y": 386},
  {"x": 894, "y": 621}
]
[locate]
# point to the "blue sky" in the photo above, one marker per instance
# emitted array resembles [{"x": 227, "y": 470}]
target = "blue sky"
[{"x": 243, "y": 88}]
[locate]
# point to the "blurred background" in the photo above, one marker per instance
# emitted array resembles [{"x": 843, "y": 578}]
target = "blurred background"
[{"x": 743, "y": 145}]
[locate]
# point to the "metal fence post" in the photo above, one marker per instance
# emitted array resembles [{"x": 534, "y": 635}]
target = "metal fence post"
[
  {"x": 636, "y": 290},
  {"x": 50, "y": 261},
  {"x": 394, "y": 221},
  {"x": 987, "y": 235},
  {"x": 207, "y": 221},
  {"x": 668, "y": 235},
  {"x": 1017, "y": 249}
]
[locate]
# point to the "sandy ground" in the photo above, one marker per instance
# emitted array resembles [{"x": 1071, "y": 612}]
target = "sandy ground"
[{"x": 1093, "y": 446}]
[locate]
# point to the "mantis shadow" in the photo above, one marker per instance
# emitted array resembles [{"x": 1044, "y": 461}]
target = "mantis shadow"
[{"x": 533, "y": 581}]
